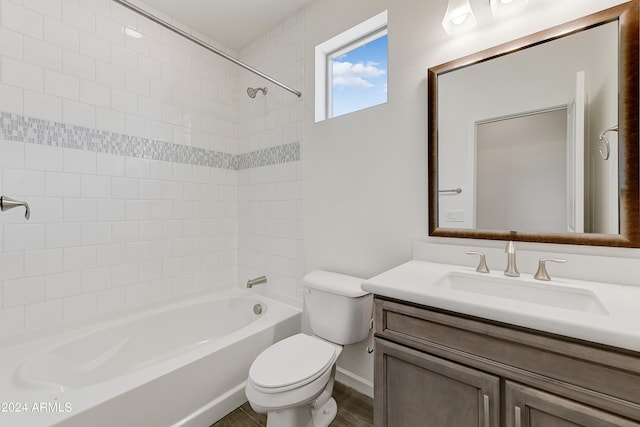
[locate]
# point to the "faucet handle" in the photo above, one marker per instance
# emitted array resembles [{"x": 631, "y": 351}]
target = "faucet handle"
[
  {"x": 482, "y": 265},
  {"x": 542, "y": 273}
]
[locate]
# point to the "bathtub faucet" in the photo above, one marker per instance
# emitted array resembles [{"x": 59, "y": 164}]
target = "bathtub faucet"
[
  {"x": 257, "y": 281},
  {"x": 7, "y": 203}
]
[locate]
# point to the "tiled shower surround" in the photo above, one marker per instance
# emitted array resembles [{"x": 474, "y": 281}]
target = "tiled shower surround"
[{"x": 142, "y": 162}]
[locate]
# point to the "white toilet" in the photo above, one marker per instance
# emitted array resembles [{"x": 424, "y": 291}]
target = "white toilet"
[{"x": 292, "y": 381}]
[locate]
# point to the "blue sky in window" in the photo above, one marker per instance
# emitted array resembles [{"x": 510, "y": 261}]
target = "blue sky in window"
[{"x": 360, "y": 78}]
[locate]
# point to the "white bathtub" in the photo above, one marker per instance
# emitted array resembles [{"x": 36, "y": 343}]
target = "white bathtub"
[{"x": 179, "y": 364}]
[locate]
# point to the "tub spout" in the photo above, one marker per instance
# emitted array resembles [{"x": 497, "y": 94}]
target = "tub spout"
[
  {"x": 7, "y": 203},
  {"x": 257, "y": 281}
]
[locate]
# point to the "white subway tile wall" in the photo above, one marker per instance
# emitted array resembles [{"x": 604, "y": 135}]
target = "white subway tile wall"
[
  {"x": 271, "y": 232},
  {"x": 144, "y": 173}
]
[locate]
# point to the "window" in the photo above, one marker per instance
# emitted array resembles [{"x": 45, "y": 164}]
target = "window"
[{"x": 351, "y": 69}]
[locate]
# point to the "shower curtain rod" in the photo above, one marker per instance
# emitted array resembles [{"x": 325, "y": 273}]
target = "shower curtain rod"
[{"x": 207, "y": 46}]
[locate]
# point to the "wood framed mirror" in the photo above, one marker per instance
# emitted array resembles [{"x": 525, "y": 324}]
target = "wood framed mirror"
[{"x": 537, "y": 139}]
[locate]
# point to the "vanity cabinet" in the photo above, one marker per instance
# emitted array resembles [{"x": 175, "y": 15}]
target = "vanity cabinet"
[
  {"x": 526, "y": 406},
  {"x": 424, "y": 390},
  {"x": 435, "y": 368}
]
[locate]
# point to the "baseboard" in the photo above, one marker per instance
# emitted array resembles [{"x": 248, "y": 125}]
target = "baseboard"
[
  {"x": 354, "y": 381},
  {"x": 235, "y": 397}
]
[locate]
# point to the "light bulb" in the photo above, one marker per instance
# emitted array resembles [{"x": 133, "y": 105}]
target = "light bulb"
[
  {"x": 506, "y": 7},
  {"x": 457, "y": 20},
  {"x": 459, "y": 16}
]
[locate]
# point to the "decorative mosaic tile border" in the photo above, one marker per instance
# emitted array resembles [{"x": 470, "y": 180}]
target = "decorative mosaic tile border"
[
  {"x": 14, "y": 127},
  {"x": 269, "y": 156}
]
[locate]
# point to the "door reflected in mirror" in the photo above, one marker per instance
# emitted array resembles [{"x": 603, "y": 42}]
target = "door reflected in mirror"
[{"x": 521, "y": 183}]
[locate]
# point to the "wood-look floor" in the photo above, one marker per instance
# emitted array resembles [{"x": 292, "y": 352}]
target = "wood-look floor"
[{"x": 354, "y": 410}]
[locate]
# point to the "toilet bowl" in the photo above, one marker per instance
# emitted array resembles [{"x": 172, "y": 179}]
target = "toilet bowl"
[{"x": 292, "y": 381}]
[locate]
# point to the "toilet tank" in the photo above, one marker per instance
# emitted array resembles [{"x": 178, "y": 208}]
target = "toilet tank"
[{"x": 337, "y": 308}]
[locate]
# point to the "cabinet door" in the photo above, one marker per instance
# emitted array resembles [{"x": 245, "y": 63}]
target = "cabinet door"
[
  {"x": 416, "y": 389},
  {"x": 529, "y": 407}
]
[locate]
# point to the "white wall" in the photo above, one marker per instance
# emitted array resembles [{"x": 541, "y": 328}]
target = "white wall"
[
  {"x": 142, "y": 201},
  {"x": 602, "y": 183},
  {"x": 366, "y": 172},
  {"x": 111, "y": 226},
  {"x": 271, "y": 228}
]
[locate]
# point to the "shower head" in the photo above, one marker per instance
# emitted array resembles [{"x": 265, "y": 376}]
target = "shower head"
[{"x": 253, "y": 91}]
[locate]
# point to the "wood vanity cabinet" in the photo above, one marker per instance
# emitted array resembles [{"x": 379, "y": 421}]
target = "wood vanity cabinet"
[{"x": 435, "y": 368}]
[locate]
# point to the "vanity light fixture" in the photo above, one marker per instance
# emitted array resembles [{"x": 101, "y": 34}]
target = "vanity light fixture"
[
  {"x": 503, "y": 7},
  {"x": 458, "y": 17}
]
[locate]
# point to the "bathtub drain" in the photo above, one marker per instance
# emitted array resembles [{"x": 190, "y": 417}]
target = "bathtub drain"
[{"x": 257, "y": 309}]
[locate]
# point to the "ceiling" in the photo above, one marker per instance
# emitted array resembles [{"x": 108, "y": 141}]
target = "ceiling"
[{"x": 233, "y": 23}]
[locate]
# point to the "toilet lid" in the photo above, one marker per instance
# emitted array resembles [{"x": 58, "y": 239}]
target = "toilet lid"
[{"x": 298, "y": 359}]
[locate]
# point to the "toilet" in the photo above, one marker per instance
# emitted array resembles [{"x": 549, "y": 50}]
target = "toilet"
[{"x": 292, "y": 381}]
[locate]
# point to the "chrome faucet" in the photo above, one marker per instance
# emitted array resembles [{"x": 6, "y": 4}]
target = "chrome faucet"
[
  {"x": 257, "y": 281},
  {"x": 7, "y": 203},
  {"x": 512, "y": 269}
]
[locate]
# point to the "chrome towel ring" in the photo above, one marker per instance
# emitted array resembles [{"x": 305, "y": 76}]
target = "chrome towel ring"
[{"x": 605, "y": 149}]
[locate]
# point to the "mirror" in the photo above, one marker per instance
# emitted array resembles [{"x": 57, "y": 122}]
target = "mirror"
[{"x": 537, "y": 139}]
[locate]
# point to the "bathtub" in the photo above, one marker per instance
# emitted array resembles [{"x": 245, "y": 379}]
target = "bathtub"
[{"x": 175, "y": 364}]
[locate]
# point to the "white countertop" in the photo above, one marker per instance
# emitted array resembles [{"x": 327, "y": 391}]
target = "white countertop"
[{"x": 618, "y": 327}]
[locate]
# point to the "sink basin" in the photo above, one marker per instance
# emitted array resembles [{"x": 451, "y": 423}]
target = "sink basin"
[{"x": 552, "y": 295}]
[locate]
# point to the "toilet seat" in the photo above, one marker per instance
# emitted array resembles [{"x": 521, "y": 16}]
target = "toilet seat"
[{"x": 291, "y": 363}]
